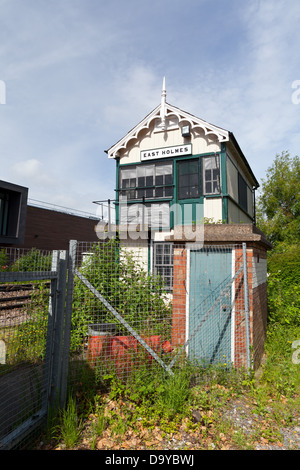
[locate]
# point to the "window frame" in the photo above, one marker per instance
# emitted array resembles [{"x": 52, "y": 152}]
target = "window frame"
[
  {"x": 212, "y": 181},
  {"x": 138, "y": 191},
  {"x": 189, "y": 175},
  {"x": 4, "y": 210},
  {"x": 160, "y": 268},
  {"x": 242, "y": 193}
]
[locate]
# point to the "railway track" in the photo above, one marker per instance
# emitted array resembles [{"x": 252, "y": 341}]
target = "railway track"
[{"x": 14, "y": 298}]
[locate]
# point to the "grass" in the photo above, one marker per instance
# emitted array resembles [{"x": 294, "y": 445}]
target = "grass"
[{"x": 157, "y": 411}]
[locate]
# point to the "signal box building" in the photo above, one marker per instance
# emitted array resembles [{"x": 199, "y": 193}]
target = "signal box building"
[{"x": 185, "y": 201}]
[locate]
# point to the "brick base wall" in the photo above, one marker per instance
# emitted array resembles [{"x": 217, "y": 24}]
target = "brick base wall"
[
  {"x": 257, "y": 299},
  {"x": 179, "y": 296}
]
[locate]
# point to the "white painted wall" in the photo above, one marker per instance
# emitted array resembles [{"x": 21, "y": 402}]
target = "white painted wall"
[
  {"x": 259, "y": 271},
  {"x": 152, "y": 139}
]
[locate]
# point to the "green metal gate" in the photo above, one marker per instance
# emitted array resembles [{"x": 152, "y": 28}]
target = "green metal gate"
[{"x": 210, "y": 305}]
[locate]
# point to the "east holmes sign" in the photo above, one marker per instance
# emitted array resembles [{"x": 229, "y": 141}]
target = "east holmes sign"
[{"x": 176, "y": 151}]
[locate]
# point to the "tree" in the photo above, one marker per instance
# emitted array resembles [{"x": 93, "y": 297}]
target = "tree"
[{"x": 278, "y": 207}]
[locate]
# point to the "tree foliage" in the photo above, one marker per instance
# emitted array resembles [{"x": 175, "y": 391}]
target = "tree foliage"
[
  {"x": 278, "y": 207},
  {"x": 278, "y": 211},
  {"x": 139, "y": 297}
]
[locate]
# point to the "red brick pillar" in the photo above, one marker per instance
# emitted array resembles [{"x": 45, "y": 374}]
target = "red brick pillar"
[
  {"x": 179, "y": 296},
  {"x": 240, "y": 332}
]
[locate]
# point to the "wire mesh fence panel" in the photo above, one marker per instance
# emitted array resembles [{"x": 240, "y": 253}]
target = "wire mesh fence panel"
[
  {"x": 121, "y": 317},
  {"x": 24, "y": 310},
  {"x": 142, "y": 303}
]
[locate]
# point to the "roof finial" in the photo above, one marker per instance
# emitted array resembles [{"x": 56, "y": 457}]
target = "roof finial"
[{"x": 163, "y": 105}]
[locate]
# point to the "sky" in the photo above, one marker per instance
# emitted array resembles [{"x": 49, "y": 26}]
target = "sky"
[{"x": 77, "y": 75}]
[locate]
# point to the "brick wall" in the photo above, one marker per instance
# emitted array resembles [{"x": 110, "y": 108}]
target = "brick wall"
[
  {"x": 179, "y": 296},
  {"x": 51, "y": 230},
  {"x": 240, "y": 351},
  {"x": 257, "y": 297}
]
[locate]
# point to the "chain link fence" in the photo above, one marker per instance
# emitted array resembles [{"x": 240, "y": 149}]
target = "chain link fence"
[
  {"x": 156, "y": 304},
  {"x": 29, "y": 295},
  {"x": 111, "y": 308}
]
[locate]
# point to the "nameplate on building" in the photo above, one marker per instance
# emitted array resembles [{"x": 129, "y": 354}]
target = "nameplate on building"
[{"x": 175, "y": 151}]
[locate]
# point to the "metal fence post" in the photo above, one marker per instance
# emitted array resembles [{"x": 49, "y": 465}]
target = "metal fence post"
[
  {"x": 246, "y": 301},
  {"x": 68, "y": 322},
  {"x": 58, "y": 311}
]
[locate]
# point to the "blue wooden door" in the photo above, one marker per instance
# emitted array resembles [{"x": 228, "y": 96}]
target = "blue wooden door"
[{"x": 210, "y": 306}]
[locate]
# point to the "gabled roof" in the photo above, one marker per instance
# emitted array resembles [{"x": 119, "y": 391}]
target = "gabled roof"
[{"x": 164, "y": 111}]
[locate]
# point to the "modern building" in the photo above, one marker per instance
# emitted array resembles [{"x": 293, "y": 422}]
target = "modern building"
[
  {"x": 27, "y": 224},
  {"x": 185, "y": 204},
  {"x": 13, "y": 207}
]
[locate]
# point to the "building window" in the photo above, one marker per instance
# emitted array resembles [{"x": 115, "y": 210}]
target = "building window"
[
  {"x": 164, "y": 180},
  {"x": 153, "y": 181},
  {"x": 188, "y": 179},
  {"x": 242, "y": 188},
  {"x": 155, "y": 215},
  {"x": 163, "y": 263},
  {"x": 145, "y": 179},
  {"x": 128, "y": 183},
  {"x": 4, "y": 201},
  {"x": 211, "y": 175}
]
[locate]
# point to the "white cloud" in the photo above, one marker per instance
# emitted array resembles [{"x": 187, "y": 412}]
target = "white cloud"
[
  {"x": 33, "y": 173},
  {"x": 79, "y": 75}
]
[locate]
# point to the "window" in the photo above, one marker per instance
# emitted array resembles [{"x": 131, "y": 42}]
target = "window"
[
  {"x": 151, "y": 181},
  {"x": 155, "y": 215},
  {"x": 163, "y": 262},
  {"x": 188, "y": 179},
  {"x": 242, "y": 187},
  {"x": 211, "y": 175},
  {"x": 128, "y": 180},
  {"x": 4, "y": 201},
  {"x": 145, "y": 179},
  {"x": 164, "y": 180}
]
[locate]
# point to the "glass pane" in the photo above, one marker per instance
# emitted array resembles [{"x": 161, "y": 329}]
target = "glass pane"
[
  {"x": 169, "y": 179},
  {"x": 167, "y": 248},
  {"x": 149, "y": 180},
  {"x": 194, "y": 192},
  {"x": 169, "y": 191},
  {"x": 215, "y": 187},
  {"x": 194, "y": 180},
  {"x": 159, "y": 192},
  {"x": 159, "y": 180},
  {"x": 207, "y": 175},
  {"x": 208, "y": 188},
  {"x": 215, "y": 174},
  {"x": 128, "y": 173},
  {"x": 141, "y": 181}
]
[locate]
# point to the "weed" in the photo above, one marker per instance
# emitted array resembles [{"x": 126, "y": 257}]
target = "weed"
[{"x": 70, "y": 426}]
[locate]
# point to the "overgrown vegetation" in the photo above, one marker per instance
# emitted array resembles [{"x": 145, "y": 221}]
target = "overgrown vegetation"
[
  {"x": 139, "y": 297},
  {"x": 153, "y": 410},
  {"x": 230, "y": 410},
  {"x": 26, "y": 340},
  {"x": 215, "y": 408}
]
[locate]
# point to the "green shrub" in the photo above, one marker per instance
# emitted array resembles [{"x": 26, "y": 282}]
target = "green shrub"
[
  {"x": 3, "y": 260},
  {"x": 33, "y": 260},
  {"x": 284, "y": 285},
  {"x": 139, "y": 297}
]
